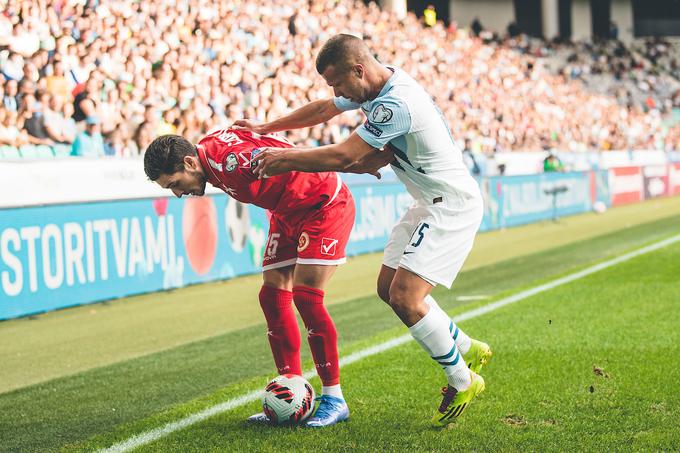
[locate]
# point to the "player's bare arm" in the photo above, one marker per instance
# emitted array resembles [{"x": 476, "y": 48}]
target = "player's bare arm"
[
  {"x": 314, "y": 113},
  {"x": 372, "y": 162},
  {"x": 353, "y": 155}
]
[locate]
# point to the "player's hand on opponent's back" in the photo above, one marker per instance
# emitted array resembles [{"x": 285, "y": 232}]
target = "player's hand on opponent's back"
[
  {"x": 269, "y": 162},
  {"x": 249, "y": 126}
]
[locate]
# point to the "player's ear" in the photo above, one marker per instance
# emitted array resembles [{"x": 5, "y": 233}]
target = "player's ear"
[
  {"x": 190, "y": 162},
  {"x": 358, "y": 70}
]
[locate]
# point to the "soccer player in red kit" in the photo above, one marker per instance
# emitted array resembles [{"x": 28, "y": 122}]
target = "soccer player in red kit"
[{"x": 311, "y": 219}]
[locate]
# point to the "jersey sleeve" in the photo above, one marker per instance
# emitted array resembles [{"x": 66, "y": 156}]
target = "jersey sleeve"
[
  {"x": 388, "y": 119},
  {"x": 345, "y": 104}
]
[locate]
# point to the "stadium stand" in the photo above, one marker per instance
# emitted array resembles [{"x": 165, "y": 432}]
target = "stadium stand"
[{"x": 149, "y": 68}]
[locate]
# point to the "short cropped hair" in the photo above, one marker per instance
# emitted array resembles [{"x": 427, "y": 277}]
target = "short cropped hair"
[
  {"x": 340, "y": 51},
  {"x": 165, "y": 155}
]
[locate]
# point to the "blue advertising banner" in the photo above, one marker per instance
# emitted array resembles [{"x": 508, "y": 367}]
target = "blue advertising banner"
[
  {"x": 516, "y": 200},
  {"x": 63, "y": 255},
  {"x": 378, "y": 208}
]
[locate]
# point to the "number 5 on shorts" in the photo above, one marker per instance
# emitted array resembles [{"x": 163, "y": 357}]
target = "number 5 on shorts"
[
  {"x": 421, "y": 234},
  {"x": 272, "y": 245}
]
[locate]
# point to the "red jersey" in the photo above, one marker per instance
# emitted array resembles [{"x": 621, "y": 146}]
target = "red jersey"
[{"x": 225, "y": 155}]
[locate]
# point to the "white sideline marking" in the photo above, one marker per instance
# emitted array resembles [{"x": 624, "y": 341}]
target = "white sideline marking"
[
  {"x": 155, "y": 434},
  {"x": 471, "y": 298}
]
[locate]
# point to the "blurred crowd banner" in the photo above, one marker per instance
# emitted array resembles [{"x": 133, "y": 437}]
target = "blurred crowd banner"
[
  {"x": 516, "y": 200},
  {"x": 73, "y": 253}
]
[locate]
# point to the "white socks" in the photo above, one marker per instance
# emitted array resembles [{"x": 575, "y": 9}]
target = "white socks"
[
  {"x": 332, "y": 390},
  {"x": 463, "y": 342},
  {"x": 433, "y": 335}
]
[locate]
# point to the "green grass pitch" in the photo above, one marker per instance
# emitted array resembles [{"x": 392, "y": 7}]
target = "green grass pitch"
[{"x": 588, "y": 365}]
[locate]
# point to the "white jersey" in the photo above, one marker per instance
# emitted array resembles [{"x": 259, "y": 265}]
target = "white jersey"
[{"x": 428, "y": 160}]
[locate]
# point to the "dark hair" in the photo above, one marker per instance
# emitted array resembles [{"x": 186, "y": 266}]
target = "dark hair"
[
  {"x": 165, "y": 155},
  {"x": 340, "y": 51}
]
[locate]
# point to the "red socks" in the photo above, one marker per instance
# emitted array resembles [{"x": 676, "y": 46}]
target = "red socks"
[
  {"x": 282, "y": 329},
  {"x": 284, "y": 335},
  {"x": 321, "y": 333}
]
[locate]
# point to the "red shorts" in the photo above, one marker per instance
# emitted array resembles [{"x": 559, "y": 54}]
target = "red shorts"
[{"x": 315, "y": 236}]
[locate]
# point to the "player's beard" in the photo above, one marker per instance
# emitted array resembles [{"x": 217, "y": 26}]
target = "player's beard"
[{"x": 201, "y": 181}]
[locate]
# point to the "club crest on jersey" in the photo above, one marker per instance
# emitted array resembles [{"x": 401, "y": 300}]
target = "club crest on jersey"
[
  {"x": 231, "y": 162},
  {"x": 381, "y": 114},
  {"x": 303, "y": 241}
]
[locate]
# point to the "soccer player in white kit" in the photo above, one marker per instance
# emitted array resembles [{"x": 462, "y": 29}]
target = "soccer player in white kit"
[{"x": 429, "y": 244}]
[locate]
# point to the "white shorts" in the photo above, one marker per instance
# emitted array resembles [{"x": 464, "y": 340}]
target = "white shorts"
[{"x": 433, "y": 240}]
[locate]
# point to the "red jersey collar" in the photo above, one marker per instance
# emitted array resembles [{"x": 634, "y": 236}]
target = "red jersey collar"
[{"x": 209, "y": 171}]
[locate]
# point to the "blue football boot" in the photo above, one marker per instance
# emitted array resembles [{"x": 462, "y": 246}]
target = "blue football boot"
[{"x": 331, "y": 410}]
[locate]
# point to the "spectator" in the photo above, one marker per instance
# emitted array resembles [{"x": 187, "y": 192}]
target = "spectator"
[
  {"x": 430, "y": 16},
  {"x": 470, "y": 160},
  {"x": 476, "y": 27},
  {"x": 89, "y": 142},
  {"x": 13, "y": 67},
  {"x": 26, "y": 88},
  {"x": 10, "y": 134},
  {"x": 168, "y": 124},
  {"x": 60, "y": 128},
  {"x": 501, "y": 169},
  {"x": 9, "y": 99},
  {"x": 57, "y": 84},
  {"x": 552, "y": 163},
  {"x": 85, "y": 102},
  {"x": 208, "y": 64},
  {"x": 613, "y": 30},
  {"x": 34, "y": 121}
]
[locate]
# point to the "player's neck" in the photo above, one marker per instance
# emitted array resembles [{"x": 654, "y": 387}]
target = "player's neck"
[
  {"x": 382, "y": 75},
  {"x": 202, "y": 171},
  {"x": 200, "y": 168}
]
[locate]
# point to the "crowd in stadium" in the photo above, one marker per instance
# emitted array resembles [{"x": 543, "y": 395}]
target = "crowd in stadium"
[
  {"x": 95, "y": 78},
  {"x": 645, "y": 71}
]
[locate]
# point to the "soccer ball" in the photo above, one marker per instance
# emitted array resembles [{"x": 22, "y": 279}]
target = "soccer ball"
[
  {"x": 288, "y": 399},
  {"x": 599, "y": 207}
]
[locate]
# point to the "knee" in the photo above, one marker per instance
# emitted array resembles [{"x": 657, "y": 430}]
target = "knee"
[
  {"x": 398, "y": 298},
  {"x": 309, "y": 281},
  {"x": 280, "y": 279}
]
